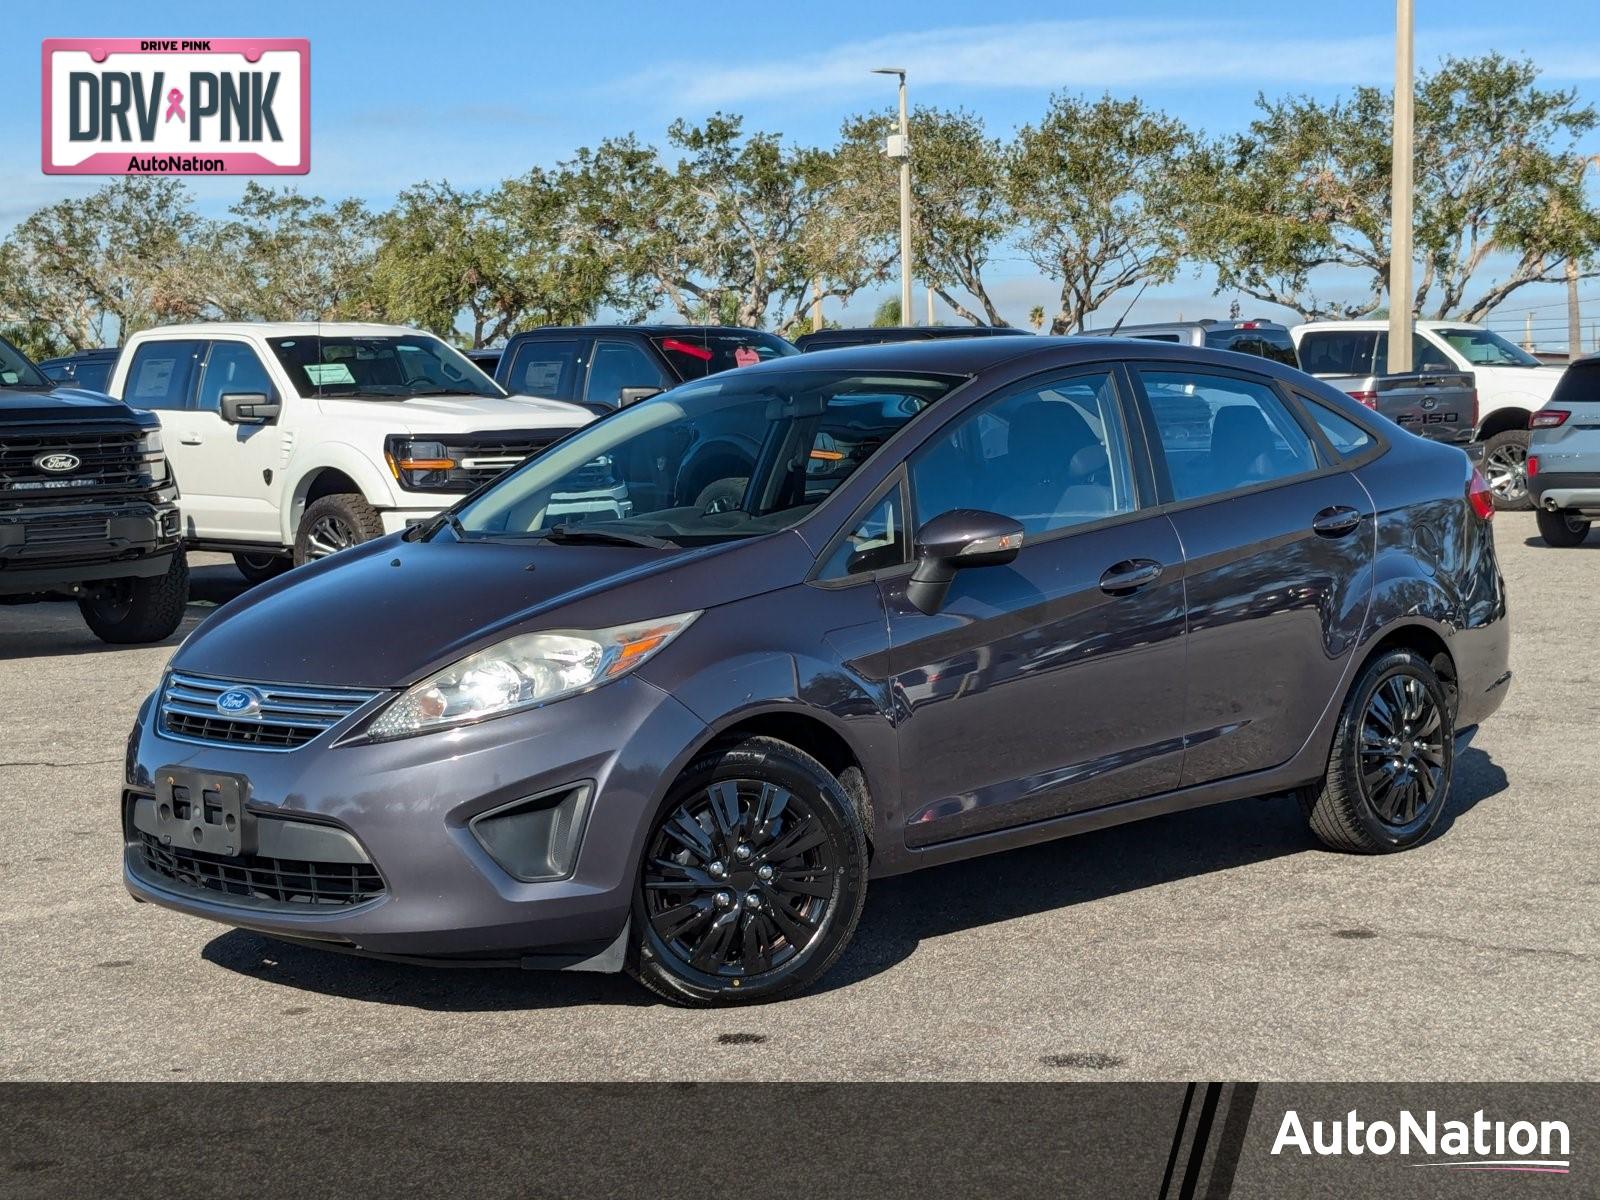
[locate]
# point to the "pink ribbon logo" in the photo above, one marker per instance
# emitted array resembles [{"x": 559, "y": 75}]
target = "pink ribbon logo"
[{"x": 175, "y": 105}]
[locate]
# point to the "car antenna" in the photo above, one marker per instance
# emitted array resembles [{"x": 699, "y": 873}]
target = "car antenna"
[{"x": 1129, "y": 309}]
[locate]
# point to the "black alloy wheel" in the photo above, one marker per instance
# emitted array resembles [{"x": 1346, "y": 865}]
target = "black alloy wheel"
[
  {"x": 1391, "y": 762},
  {"x": 752, "y": 879}
]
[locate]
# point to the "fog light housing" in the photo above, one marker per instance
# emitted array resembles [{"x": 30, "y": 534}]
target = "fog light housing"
[{"x": 536, "y": 839}]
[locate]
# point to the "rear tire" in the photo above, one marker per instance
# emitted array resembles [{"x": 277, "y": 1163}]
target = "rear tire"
[
  {"x": 335, "y": 523},
  {"x": 258, "y": 568},
  {"x": 1561, "y": 528},
  {"x": 1505, "y": 467},
  {"x": 135, "y": 611},
  {"x": 752, "y": 880},
  {"x": 1393, "y": 756}
]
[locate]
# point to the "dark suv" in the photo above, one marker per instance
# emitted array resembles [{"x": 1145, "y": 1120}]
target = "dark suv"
[
  {"x": 87, "y": 369},
  {"x": 1264, "y": 339},
  {"x": 877, "y": 335},
  {"x": 88, "y": 508},
  {"x": 608, "y": 366},
  {"x": 965, "y": 596}
]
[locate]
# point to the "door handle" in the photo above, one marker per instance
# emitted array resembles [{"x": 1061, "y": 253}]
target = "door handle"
[
  {"x": 190, "y": 439},
  {"x": 1336, "y": 521},
  {"x": 1129, "y": 575}
]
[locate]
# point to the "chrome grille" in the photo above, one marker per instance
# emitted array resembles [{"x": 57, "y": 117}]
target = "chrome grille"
[
  {"x": 289, "y": 715},
  {"x": 484, "y": 456}
]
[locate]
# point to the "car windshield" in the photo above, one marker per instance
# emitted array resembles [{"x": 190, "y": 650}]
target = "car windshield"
[
  {"x": 733, "y": 456},
  {"x": 17, "y": 371},
  {"x": 384, "y": 367},
  {"x": 694, "y": 354},
  {"x": 1482, "y": 348}
]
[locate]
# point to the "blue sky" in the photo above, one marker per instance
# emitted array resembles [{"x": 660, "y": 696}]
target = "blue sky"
[{"x": 474, "y": 92}]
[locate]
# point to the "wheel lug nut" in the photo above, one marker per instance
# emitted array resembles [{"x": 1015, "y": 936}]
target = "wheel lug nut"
[
  {"x": 724, "y": 900},
  {"x": 752, "y": 899},
  {"x": 741, "y": 851},
  {"x": 764, "y": 872},
  {"x": 716, "y": 870}
]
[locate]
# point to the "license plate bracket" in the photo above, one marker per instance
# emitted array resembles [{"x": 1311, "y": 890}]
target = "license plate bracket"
[{"x": 204, "y": 811}]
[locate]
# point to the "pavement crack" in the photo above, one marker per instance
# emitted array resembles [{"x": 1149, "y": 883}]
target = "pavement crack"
[{"x": 89, "y": 762}]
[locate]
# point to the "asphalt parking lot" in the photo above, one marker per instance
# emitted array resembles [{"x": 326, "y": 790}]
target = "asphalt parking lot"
[{"x": 1216, "y": 944}]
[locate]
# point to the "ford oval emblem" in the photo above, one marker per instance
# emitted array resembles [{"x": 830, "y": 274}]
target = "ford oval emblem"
[
  {"x": 1429, "y": 403},
  {"x": 239, "y": 702},
  {"x": 58, "y": 464}
]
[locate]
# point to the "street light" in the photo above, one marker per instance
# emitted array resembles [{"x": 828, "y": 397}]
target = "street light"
[
  {"x": 1400, "y": 323},
  {"x": 899, "y": 146}
]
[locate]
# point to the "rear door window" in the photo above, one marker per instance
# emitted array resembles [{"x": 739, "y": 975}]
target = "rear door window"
[
  {"x": 548, "y": 367},
  {"x": 1223, "y": 433},
  {"x": 161, "y": 374}
]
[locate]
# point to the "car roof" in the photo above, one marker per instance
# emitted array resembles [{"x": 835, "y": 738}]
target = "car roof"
[
  {"x": 82, "y": 355},
  {"x": 1367, "y": 326},
  {"x": 647, "y": 330},
  {"x": 281, "y": 329},
  {"x": 969, "y": 356}
]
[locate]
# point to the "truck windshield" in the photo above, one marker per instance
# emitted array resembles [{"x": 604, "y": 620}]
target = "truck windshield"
[
  {"x": 17, "y": 371},
  {"x": 1482, "y": 348},
  {"x": 383, "y": 367},
  {"x": 732, "y": 456}
]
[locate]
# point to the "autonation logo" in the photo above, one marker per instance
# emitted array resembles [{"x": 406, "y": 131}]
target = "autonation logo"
[{"x": 1476, "y": 1145}]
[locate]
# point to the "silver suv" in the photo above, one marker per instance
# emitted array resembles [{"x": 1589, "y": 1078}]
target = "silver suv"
[{"x": 1564, "y": 456}]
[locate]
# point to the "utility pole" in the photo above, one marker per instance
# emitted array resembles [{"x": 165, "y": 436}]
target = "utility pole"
[
  {"x": 1400, "y": 194},
  {"x": 930, "y": 304},
  {"x": 899, "y": 146},
  {"x": 1574, "y": 317},
  {"x": 816, "y": 305}
]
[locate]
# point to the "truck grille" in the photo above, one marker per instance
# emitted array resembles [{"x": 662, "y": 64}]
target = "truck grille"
[
  {"x": 256, "y": 877},
  {"x": 108, "y": 460},
  {"x": 284, "y": 717},
  {"x": 485, "y": 456}
]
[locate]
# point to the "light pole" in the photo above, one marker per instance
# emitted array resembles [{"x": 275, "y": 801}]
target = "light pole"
[
  {"x": 899, "y": 146},
  {"x": 1400, "y": 323}
]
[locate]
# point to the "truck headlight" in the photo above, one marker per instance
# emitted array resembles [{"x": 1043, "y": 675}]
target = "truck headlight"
[
  {"x": 153, "y": 457},
  {"x": 522, "y": 672},
  {"x": 419, "y": 463}
]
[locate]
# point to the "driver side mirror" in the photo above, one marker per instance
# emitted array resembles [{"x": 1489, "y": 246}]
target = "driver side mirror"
[
  {"x": 248, "y": 408},
  {"x": 632, "y": 395},
  {"x": 953, "y": 541}
]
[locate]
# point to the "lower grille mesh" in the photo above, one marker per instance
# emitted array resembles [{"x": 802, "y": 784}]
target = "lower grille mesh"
[{"x": 280, "y": 880}]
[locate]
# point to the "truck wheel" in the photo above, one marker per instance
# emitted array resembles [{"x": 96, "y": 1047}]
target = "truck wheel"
[
  {"x": 335, "y": 523},
  {"x": 258, "y": 568},
  {"x": 132, "y": 611},
  {"x": 1505, "y": 466},
  {"x": 1561, "y": 528}
]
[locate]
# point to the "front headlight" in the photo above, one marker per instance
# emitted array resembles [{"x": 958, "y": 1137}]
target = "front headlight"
[
  {"x": 152, "y": 455},
  {"x": 520, "y": 672}
]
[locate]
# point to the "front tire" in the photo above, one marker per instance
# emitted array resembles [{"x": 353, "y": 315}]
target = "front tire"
[
  {"x": 1393, "y": 756},
  {"x": 335, "y": 523},
  {"x": 752, "y": 881},
  {"x": 258, "y": 568},
  {"x": 135, "y": 611},
  {"x": 1505, "y": 468},
  {"x": 1562, "y": 529}
]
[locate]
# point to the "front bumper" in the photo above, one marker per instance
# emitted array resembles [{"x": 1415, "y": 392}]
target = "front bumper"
[
  {"x": 58, "y": 547},
  {"x": 408, "y": 805}
]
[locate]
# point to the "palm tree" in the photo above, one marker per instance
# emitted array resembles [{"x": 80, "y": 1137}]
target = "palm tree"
[{"x": 1036, "y": 317}]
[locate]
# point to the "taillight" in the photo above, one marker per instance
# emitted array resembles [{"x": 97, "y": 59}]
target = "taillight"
[
  {"x": 1479, "y": 496},
  {"x": 1548, "y": 418},
  {"x": 1533, "y": 465},
  {"x": 1474, "y": 408},
  {"x": 1370, "y": 399}
]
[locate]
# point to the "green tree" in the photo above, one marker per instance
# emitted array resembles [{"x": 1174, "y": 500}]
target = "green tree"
[
  {"x": 1305, "y": 192},
  {"x": 887, "y": 314},
  {"x": 1095, "y": 186},
  {"x": 959, "y": 211},
  {"x": 286, "y": 256},
  {"x": 81, "y": 272}
]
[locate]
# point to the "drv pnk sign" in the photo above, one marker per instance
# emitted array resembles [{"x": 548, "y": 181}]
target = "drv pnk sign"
[{"x": 168, "y": 106}]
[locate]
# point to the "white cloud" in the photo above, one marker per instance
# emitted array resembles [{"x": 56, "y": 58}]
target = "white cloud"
[{"x": 1082, "y": 55}]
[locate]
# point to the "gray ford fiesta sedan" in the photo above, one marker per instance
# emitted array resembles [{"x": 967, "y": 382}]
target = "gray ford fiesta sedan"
[{"x": 846, "y": 616}]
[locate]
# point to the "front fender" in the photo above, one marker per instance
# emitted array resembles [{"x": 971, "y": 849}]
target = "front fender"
[{"x": 377, "y": 487}]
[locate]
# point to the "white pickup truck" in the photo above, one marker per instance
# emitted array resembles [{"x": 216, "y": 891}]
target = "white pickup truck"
[
  {"x": 1512, "y": 384},
  {"x": 292, "y": 440}
]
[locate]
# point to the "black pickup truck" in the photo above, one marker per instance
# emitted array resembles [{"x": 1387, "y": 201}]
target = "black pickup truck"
[{"x": 88, "y": 507}]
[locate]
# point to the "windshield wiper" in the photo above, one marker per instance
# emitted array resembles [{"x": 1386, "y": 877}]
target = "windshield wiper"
[{"x": 581, "y": 533}]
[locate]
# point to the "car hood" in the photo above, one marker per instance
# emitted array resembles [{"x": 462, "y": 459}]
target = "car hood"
[
  {"x": 390, "y": 612},
  {"x": 62, "y": 403},
  {"x": 457, "y": 414}
]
